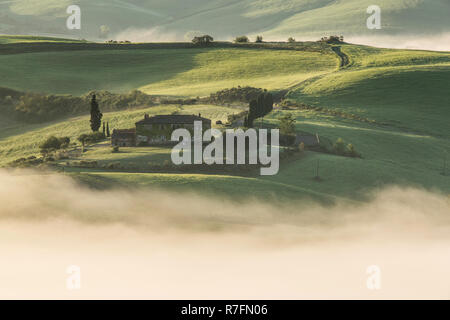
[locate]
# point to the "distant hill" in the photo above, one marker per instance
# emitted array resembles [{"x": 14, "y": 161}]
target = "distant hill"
[{"x": 155, "y": 20}]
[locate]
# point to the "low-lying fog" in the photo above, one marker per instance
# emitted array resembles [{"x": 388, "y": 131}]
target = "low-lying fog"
[
  {"x": 433, "y": 42},
  {"x": 155, "y": 244}
]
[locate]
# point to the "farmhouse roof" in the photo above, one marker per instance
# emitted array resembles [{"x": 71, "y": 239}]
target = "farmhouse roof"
[
  {"x": 123, "y": 133},
  {"x": 173, "y": 119}
]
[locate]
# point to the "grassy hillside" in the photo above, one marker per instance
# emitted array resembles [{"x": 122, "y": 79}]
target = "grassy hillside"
[
  {"x": 4, "y": 39},
  {"x": 403, "y": 89},
  {"x": 172, "y": 19},
  {"x": 404, "y": 94},
  {"x": 188, "y": 72},
  {"x": 391, "y": 156}
]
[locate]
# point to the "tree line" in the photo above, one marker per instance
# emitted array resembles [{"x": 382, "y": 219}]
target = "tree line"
[
  {"x": 258, "y": 108},
  {"x": 37, "y": 108}
]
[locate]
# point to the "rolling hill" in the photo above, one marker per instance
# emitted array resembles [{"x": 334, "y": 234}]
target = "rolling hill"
[
  {"x": 154, "y": 20},
  {"x": 188, "y": 72},
  {"x": 404, "y": 94}
]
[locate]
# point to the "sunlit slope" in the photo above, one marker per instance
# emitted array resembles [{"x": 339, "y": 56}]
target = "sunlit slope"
[
  {"x": 188, "y": 72},
  {"x": 390, "y": 156},
  {"x": 349, "y": 17},
  {"x": 406, "y": 94},
  {"x": 225, "y": 18},
  {"x": 404, "y": 89},
  {"x": 217, "y": 69},
  {"x": 31, "y": 39}
]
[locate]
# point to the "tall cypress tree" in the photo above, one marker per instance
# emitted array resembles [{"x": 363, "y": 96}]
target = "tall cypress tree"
[
  {"x": 268, "y": 103},
  {"x": 96, "y": 115},
  {"x": 252, "y": 114},
  {"x": 260, "y": 108},
  {"x": 104, "y": 129},
  {"x": 108, "y": 134}
]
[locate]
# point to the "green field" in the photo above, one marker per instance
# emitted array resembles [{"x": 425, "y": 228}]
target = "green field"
[
  {"x": 403, "y": 93},
  {"x": 186, "y": 72},
  {"x": 407, "y": 90},
  {"x": 4, "y": 39}
]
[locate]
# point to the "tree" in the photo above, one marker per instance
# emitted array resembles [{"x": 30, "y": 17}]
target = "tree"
[
  {"x": 104, "y": 129},
  {"x": 268, "y": 103},
  {"x": 96, "y": 115},
  {"x": 241, "y": 39},
  {"x": 259, "y": 39},
  {"x": 64, "y": 142},
  {"x": 203, "y": 40},
  {"x": 53, "y": 143},
  {"x": 351, "y": 151},
  {"x": 252, "y": 114},
  {"x": 291, "y": 40},
  {"x": 83, "y": 139},
  {"x": 287, "y": 125},
  {"x": 108, "y": 134},
  {"x": 260, "y": 109},
  {"x": 339, "y": 146}
]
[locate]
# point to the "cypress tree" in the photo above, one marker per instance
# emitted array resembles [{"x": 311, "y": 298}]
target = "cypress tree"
[
  {"x": 252, "y": 115},
  {"x": 268, "y": 103},
  {"x": 96, "y": 115},
  {"x": 260, "y": 108},
  {"x": 108, "y": 134},
  {"x": 104, "y": 129}
]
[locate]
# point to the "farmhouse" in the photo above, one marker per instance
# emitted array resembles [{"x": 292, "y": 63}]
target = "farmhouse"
[
  {"x": 123, "y": 137},
  {"x": 156, "y": 130}
]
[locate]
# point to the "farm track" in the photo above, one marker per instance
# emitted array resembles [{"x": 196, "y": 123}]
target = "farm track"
[{"x": 345, "y": 60}]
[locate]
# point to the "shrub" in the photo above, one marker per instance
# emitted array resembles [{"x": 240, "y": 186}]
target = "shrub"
[
  {"x": 291, "y": 40},
  {"x": 35, "y": 107},
  {"x": 339, "y": 147},
  {"x": 241, "y": 39},
  {"x": 351, "y": 151},
  {"x": 301, "y": 147},
  {"x": 259, "y": 39},
  {"x": 239, "y": 94},
  {"x": 53, "y": 143},
  {"x": 115, "y": 149},
  {"x": 332, "y": 39},
  {"x": 203, "y": 40},
  {"x": 287, "y": 125},
  {"x": 64, "y": 142},
  {"x": 287, "y": 140},
  {"x": 91, "y": 138}
]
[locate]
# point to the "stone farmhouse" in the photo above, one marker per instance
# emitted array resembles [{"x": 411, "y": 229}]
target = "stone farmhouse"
[{"x": 156, "y": 130}]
